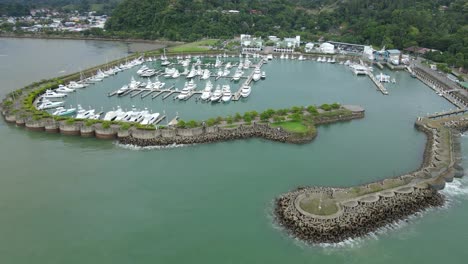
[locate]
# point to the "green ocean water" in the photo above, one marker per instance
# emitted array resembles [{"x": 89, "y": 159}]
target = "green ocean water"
[{"x": 74, "y": 200}]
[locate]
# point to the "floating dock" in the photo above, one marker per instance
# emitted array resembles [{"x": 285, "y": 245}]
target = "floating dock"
[
  {"x": 377, "y": 83},
  {"x": 237, "y": 95}
]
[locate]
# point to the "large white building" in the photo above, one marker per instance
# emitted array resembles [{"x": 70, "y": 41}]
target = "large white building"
[{"x": 327, "y": 48}]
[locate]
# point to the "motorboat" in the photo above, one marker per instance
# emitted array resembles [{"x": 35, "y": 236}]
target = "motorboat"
[
  {"x": 62, "y": 111},
  {"x": 206, "y": 74},
  {"x": 228, "y": 65},
  {"x": 49, "y": 94},
  {"x": 333, "y": 60},
  {"x": 176, "y": 74},
  {"x": 122, "y": 90},
  {"x": 149, "y": 85},
  {"x": 226, "y": 72},
  {"x": 158, "y": 84},
  {"x": 269, "y": 56},
  {"x": 237, "y": 75},
  {"x": 245, "y": 91},
  {"x": 133, "y": 83},
  {"x": 192, "y": 73},
  {"x": 148, "y": 73},
  {"x": 187, "y": 90},
  {"x": 263, "y": 76},
  {"x": 207, "y": 91},
  {"x": 226, "y": 93},
  {"x": 359, "y": 69},
  {"x": 84, "y": 114},
  {"x": 282, "y": 56},
  {"x": 256, "y": 74},
  {"x": 137, "y": 117},
  {"x": 46, "y": 104},
  {"x": 168, "y": 72},
  {"x": 301, "y": 58},
  {"x": 199, "y": 71},
  {"x": 64, "y": 89},
  {"x": 142, "y": 69},
  {"x": 149, "y": 119},
  {"x": 76, "y": 85},
  {"x": 112, "y": 115},
  {"x": 217, "y": 94}
]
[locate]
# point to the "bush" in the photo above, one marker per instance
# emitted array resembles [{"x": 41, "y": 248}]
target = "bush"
[
  {"x": 192, "y": 124},
  {"x": 181, "y": 124},
  {"x": 296, "y": 117},
  {"x": 106, "y": 124},
  {"x": 312, "y": 109},
  {"x": 125, "y": 126},
  {"x": 278, "y": 118},
  {"x": 335, "y": 106},
  {"x": 297, "y": 109},
  {"x": 229, "y": 119},
  {"x": 282, "y": 111},
  {"x": 237, "y": 117},
  {"x": 326, "y": 107},
  {"x": 219, "y": 120},
  {"x": 254, "y": 114},
  {"x": 211, "y": 122},
  {"x": 70, "y": 121}
]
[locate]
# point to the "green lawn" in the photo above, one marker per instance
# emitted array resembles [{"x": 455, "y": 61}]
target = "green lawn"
[
  {"x": 292, "y": 126},
  {"x": 202, "y": 45},
  {"x": 319, "y": 206}
]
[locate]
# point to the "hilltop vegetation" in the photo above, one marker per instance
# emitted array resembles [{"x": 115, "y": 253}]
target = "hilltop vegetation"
[
  {"x": 22, "y": 7},
  {"x": 436, "y": 24}
]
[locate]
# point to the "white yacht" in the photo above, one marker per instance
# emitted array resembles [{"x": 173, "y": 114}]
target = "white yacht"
[
  {"x": 206, "y": 74},
  {"x": 84, "y": 114},
  {"x": 226, "y": 93},
  {"x": 256, "y": 74},
  {"x": 176, "y": 74},
  {"x": 228, "y": 65},
  {"x": 49, "y": 94},
  {"x": 245, "y": 92},
  {"x": 192, "y": 73},
  {"x": 217, "y": 94},
  {"x": 112, "y": 115},
  {"x": 282, "y": 56},
  {"x": 168, "y": 72},
  {"x": 263, "y": 77},
  {"x": 158, "y": 84},
  {"x": 122, "y": 90},
  {"x": 237, "y": 75},
  {"x": 133, "y": 84},
  {"x": 269, "y": 56},
  {"x": 359, "y": 69},
  {"x": 46, "y": 104},
  {"x": 76, "y": 85},
  {"x": 149, "y": 119},
  {"x": 187, "y": 90},
  {"x": 218, "y": 62},
  {"x": 62, "y": 111},
  {"x": 64, "y": 89},
  {"x": 207, "y": 91},
  {"x": 142, "y": 69}
]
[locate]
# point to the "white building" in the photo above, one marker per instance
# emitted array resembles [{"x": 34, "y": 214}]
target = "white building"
[
  {"x": 309, "y": 47},
  {"x": 293, "y": 42},
  {"x": 327, "y": 48}
]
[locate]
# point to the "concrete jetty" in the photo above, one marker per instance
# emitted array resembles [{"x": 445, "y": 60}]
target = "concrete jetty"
[{"x": 379, "y": 85}]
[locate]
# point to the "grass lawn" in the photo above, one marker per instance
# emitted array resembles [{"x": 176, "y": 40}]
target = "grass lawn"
[
  {"x": 292, "y": 126},
  {"x": 202, "y": 45},
  {"x": 319, "y": 206}
]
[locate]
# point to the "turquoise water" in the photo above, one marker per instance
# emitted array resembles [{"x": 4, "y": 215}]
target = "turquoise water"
[{"x": 74, "y": 200}]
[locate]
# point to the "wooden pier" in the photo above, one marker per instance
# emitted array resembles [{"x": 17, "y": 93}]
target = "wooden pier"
[
  {"x": 377, "y": 83},
  {"x": 170, "y": 93}
]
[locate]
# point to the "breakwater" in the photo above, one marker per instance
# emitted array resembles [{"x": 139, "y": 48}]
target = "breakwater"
[{"x": 331, "y": 215}]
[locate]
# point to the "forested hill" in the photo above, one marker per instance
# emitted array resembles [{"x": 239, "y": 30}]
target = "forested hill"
[
  {"x": 438, "y": 24},
  {"x": 23, "y": 7}
]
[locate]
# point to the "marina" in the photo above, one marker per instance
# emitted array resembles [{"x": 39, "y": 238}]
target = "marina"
[{"x": 250, "y": 223}]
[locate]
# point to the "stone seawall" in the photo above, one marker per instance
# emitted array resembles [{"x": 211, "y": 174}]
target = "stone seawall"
[
  {"x": 331, "y": 215},
  {"x": 176, "y": 136},
  {"x": 358, "y": 219}
]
